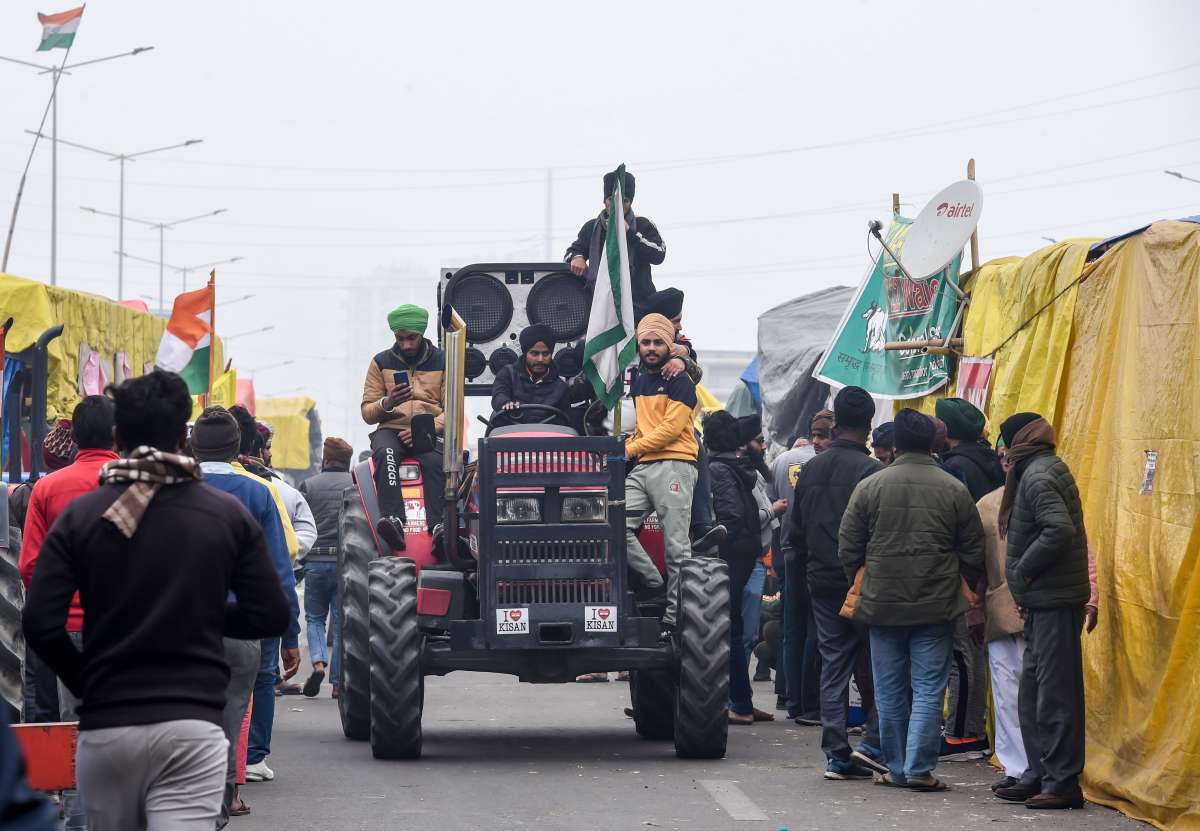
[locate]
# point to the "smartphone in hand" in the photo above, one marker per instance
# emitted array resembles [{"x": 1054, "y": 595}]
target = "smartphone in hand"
[{"x": 400, "y": 378}]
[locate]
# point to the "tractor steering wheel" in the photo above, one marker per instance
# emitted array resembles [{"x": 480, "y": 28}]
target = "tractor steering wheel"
[{"x": 516, "y": 416}]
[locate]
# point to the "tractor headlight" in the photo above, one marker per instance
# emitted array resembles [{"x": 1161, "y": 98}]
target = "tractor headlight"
[
  {"x": 409, "y": 473},
  {"x": 588, "y": 507},
  {"x": 515, "y": 509}
]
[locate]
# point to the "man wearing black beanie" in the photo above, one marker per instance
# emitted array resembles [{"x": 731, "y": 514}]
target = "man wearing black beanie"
[
  {"x": 646, "y": 247},
  {"x": 909, "y": 537},
  {"x": 823, "y": 490}
]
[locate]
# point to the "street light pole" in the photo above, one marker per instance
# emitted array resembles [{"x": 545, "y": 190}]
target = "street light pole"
[
  {"x": 179, "y": 269},
  {"x": 1179, "y": 175},
  {"x": 122, "y": 158},
  {"x": 56, "y": 73},
  {"x": 161, "y": 226}
]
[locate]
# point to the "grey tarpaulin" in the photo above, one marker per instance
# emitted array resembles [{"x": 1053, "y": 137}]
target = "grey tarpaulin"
[{"x": 791, "y": 337}]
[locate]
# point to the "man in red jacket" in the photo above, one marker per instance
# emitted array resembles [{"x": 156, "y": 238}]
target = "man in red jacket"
[{"x": 92, "y": 428}]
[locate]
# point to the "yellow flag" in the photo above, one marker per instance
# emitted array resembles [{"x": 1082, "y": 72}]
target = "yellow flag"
[{"x": 224, "y": 390}]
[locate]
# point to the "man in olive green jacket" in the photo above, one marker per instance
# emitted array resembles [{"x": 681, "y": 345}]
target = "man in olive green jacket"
[{"x": 914, "y": 532}]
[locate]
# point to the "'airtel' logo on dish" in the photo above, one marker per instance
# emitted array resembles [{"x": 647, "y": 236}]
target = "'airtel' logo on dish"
[{"x": 958, "y": 209}]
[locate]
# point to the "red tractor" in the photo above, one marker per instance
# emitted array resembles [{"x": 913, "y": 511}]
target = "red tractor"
[{"x": 532, "y": 581}]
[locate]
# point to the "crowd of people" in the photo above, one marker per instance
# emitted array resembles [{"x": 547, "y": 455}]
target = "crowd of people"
[
  {"x": 912, "y": 560},
  {"x": 185, "y": 655}
]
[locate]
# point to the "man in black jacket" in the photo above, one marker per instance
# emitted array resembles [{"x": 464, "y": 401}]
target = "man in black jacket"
[
  {"x": 532, "y": 380},
  {"x": 1041, "y": 518},
  {"x": 969, "y": 457},
  {"x": 323, "y": 493},
  {"x": 646, "y": 247},
  {"x": 822, "y": 493},
  {"x": 154, "y": 554}
]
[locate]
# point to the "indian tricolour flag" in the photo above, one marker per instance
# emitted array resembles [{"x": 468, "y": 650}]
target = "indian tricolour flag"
[
  {"x": 58, "y": 30},
  {"x": 186, "y": 344},
  {"x": 610, "y": 344}
]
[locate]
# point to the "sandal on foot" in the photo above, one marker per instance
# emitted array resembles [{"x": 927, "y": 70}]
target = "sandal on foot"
[
  {"x": 740, "y": 718},
  {"x": 239, "y": 809},
  {"x": 927, "y": 784},
  {"x": 592, "y": 677},
  {"x": 888, "y": 781},
  {"x": 762, "y": 715}
]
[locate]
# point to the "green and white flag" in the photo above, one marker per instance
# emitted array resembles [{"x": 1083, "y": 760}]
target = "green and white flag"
[
  {"x": 611, "y": 342},
  {"x": 58, "y": 30}
]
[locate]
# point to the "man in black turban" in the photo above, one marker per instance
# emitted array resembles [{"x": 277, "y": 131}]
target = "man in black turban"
[
  {"x": 531, "y": 380},
  {"x": 646, "y": 247}
]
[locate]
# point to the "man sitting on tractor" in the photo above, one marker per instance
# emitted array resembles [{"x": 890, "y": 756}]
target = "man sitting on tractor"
[
  {"x": 532, "y": 380},
  {"x": 665, "y": 450},
  {"x": 404, "y": 393}
]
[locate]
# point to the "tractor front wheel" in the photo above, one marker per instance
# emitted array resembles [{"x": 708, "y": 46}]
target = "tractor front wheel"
[
  {"x": 652, "y": 692},
  {"x": 702, "y": 640},
  {"x": 397, "y": 684},
  {"x": 356, "y": 549}
]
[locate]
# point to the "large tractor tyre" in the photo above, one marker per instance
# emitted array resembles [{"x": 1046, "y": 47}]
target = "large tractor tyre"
[
  {"x": 702, "y": 640},
  {"x": 397, "y": 685},
  {"x": 12, "y": 641},
  {"x": 652, "y": 692},
  {"x": 356, "y": 549}
]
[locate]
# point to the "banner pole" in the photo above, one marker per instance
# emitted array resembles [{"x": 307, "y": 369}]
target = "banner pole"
[
  {"x": 974, "y": 233},
  {"x": 212, "y": 335}
]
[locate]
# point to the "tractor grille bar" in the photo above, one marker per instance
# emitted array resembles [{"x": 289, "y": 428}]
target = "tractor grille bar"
[
  {"x": 546, "y": 552},
  {"x": 533, "y": 592},
  {"x": 550, "y": 461}
]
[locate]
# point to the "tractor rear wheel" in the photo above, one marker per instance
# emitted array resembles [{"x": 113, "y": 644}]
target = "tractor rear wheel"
[
  {"x": 356, "y": 549},
  {"x": 12, "y": 641},
  {"x": 397, "y": 684},
  {"x": 702, "y": 640},
  {"x": 652, "y": 692}
]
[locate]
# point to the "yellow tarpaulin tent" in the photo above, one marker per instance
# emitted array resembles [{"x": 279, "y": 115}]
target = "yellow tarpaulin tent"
[
  {"x": 117, "y": 337},
  {"x": 1113, "y": 359},
  {"x": 288, "y": 417}
]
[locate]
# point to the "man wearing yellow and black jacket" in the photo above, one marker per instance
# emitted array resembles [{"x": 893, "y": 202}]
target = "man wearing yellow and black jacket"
[
  {"x": 405, "y": 393},
  {"x": 664, "y": 447}
]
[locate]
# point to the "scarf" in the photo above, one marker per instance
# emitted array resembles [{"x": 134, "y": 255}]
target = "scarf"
[
  {"x": 146, "y": 470},
  {"x": 1034, "y": 438},
  {"x": 257, "y": 466}
]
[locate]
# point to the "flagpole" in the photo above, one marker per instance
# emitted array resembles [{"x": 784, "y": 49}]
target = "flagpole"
[
  {"x": 212, "y": 335},
  {"x": 12, "y": 222}
]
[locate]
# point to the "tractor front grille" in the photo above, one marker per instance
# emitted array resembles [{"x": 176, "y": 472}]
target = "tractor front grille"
[
  {"x": 533, "y": 592},
  {"x": 550, "y": 461},
  {"x": 547, "y": 552}
]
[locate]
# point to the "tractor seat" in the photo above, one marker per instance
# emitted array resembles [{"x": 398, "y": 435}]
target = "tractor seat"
[{"x": 519, "y": 429}]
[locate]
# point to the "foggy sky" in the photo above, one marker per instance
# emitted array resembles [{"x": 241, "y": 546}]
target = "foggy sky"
[{"x": 358, "y": 148}]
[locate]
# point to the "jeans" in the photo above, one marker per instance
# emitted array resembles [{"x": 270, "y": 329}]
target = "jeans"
[
  {"x": 752, "y": 607},
  {"x": 320, "y": 599},
  {"x": 842, "y": 643},
  {"x": 262, "y": 720},
  {"x": 912, "y": 659},
  {"x": 801, "y": 664},
  {"x": 388, "y": 450},
  {"x": 702, "y": 515},
  {"x": 41, "y": 689},
  {"x": 74, "y": 813},
  {"x": 967, "y": 688},
  {"x": 741, "y": 694},
  {"x": 243, "y": 658}
]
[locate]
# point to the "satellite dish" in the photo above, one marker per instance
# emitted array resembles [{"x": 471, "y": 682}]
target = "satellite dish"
[{"x": 942, "y": 228}]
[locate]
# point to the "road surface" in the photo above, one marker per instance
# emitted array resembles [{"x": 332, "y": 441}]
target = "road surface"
[{"x": 503, "y": 755}]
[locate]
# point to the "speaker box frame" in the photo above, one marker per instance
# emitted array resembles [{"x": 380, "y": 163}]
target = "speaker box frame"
[{"x": 523, "y": 277}]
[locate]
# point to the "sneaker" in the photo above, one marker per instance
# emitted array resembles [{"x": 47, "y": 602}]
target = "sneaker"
[
  {"x": 259, "y": 772},
  {"x": 710, "y": 539},
  {"x": 869, "y": 759},
  {"x": 964, "y": 750},
  {"x": 391, "y": 531},
  {"x": 836, "y": 770}
]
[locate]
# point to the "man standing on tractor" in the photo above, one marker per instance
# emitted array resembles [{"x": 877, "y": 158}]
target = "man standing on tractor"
[
  {"x": 404, "y": 393},
  {"x": 665, "y": 451},
  {"x": 646, "y": 247}
]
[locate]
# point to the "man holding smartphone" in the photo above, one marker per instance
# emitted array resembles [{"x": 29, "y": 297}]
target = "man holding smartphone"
[{"x": 404, "y": 393}]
